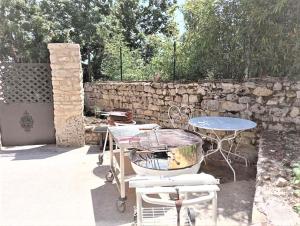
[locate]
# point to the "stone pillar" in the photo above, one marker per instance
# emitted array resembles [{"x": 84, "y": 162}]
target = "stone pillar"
[{"x": 67, "y": 93}]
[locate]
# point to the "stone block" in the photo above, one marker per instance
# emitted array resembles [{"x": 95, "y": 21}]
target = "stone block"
[
  {"x": 251, "y": 85},
  {"x": 201, "y": 91},
  {"x": 153, "y": 107},
  {"x": 262, "y": 91},
  {"x": 232, "y": 106},
  {"x": 244, "y": 100},
  {"x": 291, "y": 94},
  {"x": 258, "y": 109},
  {"x": 178, "y": 99},
  {"x": 232, "y": 97},
  {"x": 296, "y": 86},
  {"x": 276, "y": 127},
  {"x": 277, "y": 86},
  {"x": 272, "y": 102},
  {"x": 185, "y": 98},
  {"x": 193, "y": 99},
  {"x": 278, "y": 112},
  {"x": 294, "y": 112},
  {"x": 182, "y": 90},
  {"x": 211, "y": 105},
  {"x": 260, "y": 100},
  {"x": 227, "y": 87}
]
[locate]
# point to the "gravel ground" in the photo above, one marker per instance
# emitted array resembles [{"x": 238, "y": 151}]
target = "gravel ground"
[{"x": 274, "y": 195}]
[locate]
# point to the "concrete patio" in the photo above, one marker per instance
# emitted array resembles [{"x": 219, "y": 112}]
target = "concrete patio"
[{"x": 47, "y": 185}]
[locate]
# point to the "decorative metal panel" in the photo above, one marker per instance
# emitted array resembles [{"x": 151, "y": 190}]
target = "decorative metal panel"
[
  {"x": 26, "y": 121},
  {"x": 25, "y": 83},
  {"x": 26, "y": 104}
]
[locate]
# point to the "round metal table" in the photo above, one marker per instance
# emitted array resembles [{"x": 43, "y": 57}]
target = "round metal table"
[{"x": 226, "y": 124}]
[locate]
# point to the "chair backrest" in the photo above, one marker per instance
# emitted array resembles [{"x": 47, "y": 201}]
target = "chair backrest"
[{"x": 179, "y": 116}]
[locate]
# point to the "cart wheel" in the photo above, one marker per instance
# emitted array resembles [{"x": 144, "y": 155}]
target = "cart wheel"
[
  {"x": 100, "y": 158},
  {"x": 121, "y": 206},
  {"x": 109, "y": 177},
  {"x": 192, "y": 215}
]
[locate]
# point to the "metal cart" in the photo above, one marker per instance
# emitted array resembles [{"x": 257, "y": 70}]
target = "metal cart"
[
  {"x": 179, "y": 210},
  {"x": 121, "y": 136}
]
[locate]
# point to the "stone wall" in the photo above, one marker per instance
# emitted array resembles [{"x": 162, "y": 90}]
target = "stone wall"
[
  {"x": 67, "y": 93},
  {"x": 273, "y": 103}
]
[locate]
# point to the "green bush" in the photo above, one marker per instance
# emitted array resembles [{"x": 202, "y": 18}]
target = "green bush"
[{"x": 242, "y": 38}]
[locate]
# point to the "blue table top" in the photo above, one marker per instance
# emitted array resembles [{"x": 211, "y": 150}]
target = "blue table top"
[{"x": 222, "y": 123}]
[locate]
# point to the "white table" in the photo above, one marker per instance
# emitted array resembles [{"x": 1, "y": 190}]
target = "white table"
[
  {"x": 122, "y": 135},
  {"x": 226, "y": 124}
]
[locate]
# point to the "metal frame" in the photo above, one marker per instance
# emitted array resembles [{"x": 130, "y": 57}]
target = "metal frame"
[
  {"x": 106, "y": 138},
  {"x": 146, "y": 216},
  {"x": 112, "y": 175},
  {"x": 181, "y": 112},
  {"x": 219, "y": 140}
]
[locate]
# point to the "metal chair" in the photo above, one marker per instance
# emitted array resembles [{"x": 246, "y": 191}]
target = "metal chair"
[{"x": 180, "y": 116}]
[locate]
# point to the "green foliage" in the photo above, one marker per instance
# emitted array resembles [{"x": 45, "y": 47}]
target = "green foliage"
[
  {"x": 242, "y": 38},
  {"x": 224, "y": 38},
  {"x": 132, "y": 62},
  {"x": 296, "y": 172},
  {"x": 80, "y": 21},
  {"x": 138, "y": 19},
  {"x": 23, "y": 32},
  {"x": 134, "y": 67},
  {"x": 100, "y": 27}
]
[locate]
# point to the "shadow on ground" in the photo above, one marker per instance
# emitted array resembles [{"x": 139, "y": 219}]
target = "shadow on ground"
[
  {"x": 235, "y": 199},
  {"x": 31, "y": 152},
  {"x": 104, "y": 200}
]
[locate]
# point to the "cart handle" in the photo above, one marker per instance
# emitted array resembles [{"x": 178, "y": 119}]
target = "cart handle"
[{"x": 188, "y": 202}]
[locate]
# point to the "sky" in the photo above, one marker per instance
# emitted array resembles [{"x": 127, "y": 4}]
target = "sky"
[{"x": 179, "y": 17}]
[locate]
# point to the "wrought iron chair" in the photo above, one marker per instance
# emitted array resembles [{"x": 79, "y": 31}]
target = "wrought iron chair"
[{"x": 179, "y": 116}]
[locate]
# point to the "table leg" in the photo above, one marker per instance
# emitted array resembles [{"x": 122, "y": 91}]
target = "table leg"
[
  {"x": 121, "y": 204},
  {"x": 101, "y": 155},
  {"x": 105, "y": 141},
  {"x": 237, "y": 155},
  {"x": 228, "y": 163},
  {"x": 139, "y": 208},
  {"x": 122, "y": 173},
  {"x": 111, "y": 151},
  {"x": 215, "y": 209}
]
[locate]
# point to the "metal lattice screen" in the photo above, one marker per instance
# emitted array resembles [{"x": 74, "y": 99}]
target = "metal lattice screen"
[{"x": 25, "y": 83}]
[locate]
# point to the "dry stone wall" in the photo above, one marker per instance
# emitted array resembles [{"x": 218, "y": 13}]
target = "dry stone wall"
[
  {"x": 67, "y": 93},
  {"x": 273, "y": 103}
]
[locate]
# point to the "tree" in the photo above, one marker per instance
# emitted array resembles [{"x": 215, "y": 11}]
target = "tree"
[
  {"x": 23, "y": 32},
  {"x": 241, "y": 38},
  {"x": 27, "y": 27},
  {"x": 83, "y": 22},
  {"x": 138, "y": 20}
]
